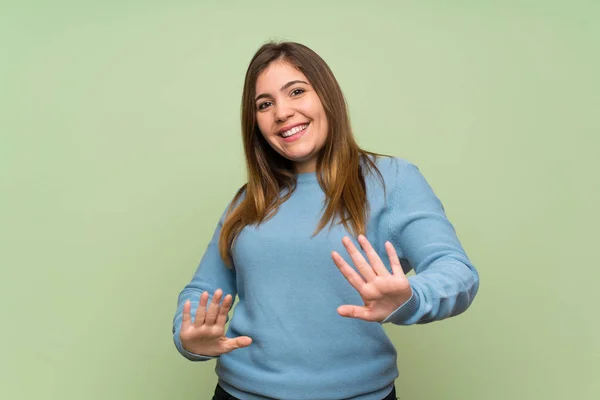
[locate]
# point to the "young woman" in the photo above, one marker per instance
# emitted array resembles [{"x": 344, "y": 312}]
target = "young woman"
[{"x": 316, "y": 245}]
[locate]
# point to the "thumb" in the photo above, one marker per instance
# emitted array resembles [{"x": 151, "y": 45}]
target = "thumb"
[
  {"x": 355, "y": 312},
  {"x": 238, "y": 342}
]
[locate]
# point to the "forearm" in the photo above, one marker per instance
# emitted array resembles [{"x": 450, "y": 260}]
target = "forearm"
[{"x": 446, "y": 289}]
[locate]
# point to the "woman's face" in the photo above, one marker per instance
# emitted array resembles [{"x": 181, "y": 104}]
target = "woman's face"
[{"x": 290, "y": 115}]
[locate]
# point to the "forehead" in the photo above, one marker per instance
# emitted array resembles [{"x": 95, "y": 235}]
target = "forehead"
[{"x": 276, "y": 75}]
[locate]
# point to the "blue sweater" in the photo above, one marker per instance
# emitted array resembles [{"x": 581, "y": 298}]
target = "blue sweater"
[{"x": 289, "y": 289}]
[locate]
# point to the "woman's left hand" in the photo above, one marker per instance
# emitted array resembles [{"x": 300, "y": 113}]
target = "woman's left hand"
[{"x": 382, "y": 292}]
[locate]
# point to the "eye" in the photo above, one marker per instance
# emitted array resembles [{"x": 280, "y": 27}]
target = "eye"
[
  {"x": 297, "y": 92},
  {"x": 264, "y": 105}
]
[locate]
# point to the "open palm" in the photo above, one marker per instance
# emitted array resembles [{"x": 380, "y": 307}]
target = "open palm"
[
  {"x": 206, "y": 334},
  {"x": 381, "y": 291}
]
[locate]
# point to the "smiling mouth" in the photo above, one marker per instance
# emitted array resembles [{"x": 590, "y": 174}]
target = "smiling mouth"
[{"x": 293, "y": 131}]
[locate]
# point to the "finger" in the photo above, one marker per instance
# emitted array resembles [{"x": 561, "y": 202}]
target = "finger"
[
  {"x": 361, "y": 264},
  {"x": 349, "y": 273},
  {"x": 213, "y": 308},
  {"x": 201, "y": 310},
  {"x": 355, "y": 312},
  {"x": 373, "y": 257},
  {"x": 238, "y": 343},
  {"x": 186, "y": 319},
  {"x": 222, "y": 317},
  {"x": 394, "y": 260}
]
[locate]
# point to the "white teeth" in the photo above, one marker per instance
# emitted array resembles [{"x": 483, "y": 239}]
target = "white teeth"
[{"x": 294, "y": 130}]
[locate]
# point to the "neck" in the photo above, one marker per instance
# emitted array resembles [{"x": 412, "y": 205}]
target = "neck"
[{"x": 308, "y": 166}]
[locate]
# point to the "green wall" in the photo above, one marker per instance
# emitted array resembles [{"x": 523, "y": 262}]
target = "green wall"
[{"x": 120, "y": 146}]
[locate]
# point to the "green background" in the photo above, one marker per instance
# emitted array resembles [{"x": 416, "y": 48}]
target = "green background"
[{"x": 120, "y": 146}]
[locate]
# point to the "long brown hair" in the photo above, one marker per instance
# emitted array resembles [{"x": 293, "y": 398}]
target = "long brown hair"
[{"x": 341, "y": 164}]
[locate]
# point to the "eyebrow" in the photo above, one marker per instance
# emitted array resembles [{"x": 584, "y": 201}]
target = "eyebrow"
[{"x": 287, "y": 85}]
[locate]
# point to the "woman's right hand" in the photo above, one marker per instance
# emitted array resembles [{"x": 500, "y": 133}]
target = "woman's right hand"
[{"x": 206, "y": 335}]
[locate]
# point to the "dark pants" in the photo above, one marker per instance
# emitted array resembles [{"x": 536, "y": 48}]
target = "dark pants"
[{"x": 221, "y": 394}]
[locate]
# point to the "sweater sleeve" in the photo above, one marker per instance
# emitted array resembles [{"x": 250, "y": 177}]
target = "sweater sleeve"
[
  {"x": 445, "y": 280},
  {"x": 211, "y": 274}
]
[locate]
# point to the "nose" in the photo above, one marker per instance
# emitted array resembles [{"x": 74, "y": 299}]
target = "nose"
[{"x": 283, "y": 112}]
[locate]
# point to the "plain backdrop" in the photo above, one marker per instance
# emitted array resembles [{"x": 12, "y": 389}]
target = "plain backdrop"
[{"x": 120, "y": 146}]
